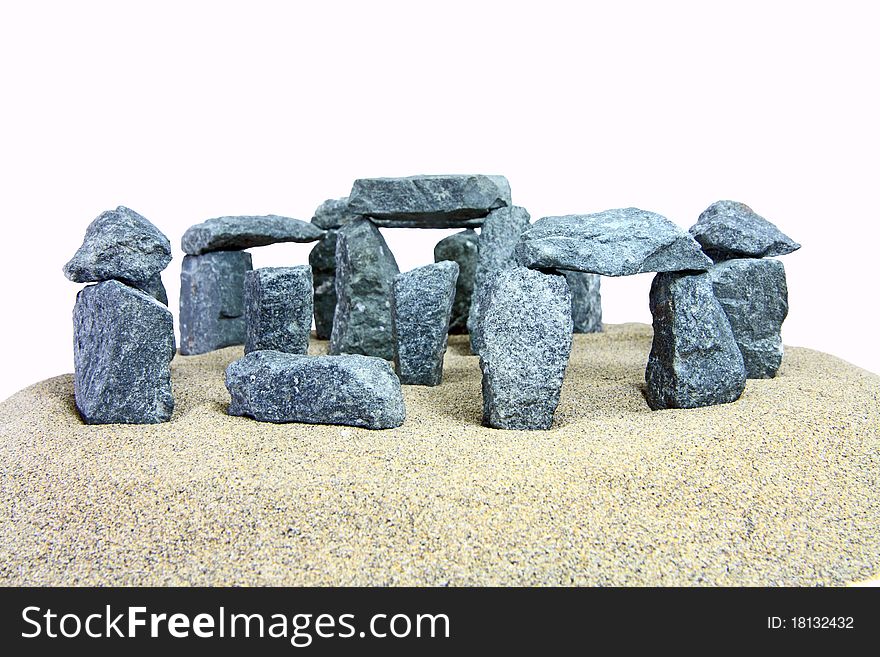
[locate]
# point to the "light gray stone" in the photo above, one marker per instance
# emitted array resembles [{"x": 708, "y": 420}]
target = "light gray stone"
[
  {"x": 333, "y": 213},
  {"x": 498, "y": 237},
  {"x": 421, "y": 305},
  {"x": 278, "y": 309},
  {"x": 322, "y": 258},
  {"x": 212, "y": 301},
  {"x": 120, "y": 245},
  {"x": 526, "y": 328},
  {"x": 455, "y": 201},
  {"x": 463, "y": 249},
  {"x": 617, "y": 242},
  {"x": 586, "y": 301},
  {"x": 754, "y": 296},
  {"x": 123, "y": 343},
  {"x": 728, "y": 229},
  {"x": 360, "y": 391},
  {"x": 244, "y": 232},
  {"x": 365, "y": 271},
  {"x": 694, "y": 359}
]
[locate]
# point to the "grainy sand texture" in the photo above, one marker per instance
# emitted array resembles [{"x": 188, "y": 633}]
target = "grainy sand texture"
[{"x": 780, "y": 487}]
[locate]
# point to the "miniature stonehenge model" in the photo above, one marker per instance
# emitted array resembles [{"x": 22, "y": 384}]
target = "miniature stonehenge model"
[{"x": 520, "y": 289}]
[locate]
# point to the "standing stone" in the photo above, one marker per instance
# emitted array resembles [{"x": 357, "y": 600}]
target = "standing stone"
[
  {"x": 333, "y": 213},
  {"x": 244, "y": 232},
  {"x": 586, "y": 301},
  {"x": 421, "y": 306},
  {"x": 278, "y": 309},
  {"x": 359, "y": 391},
  {"x": 123, "y": 343},
  {"x": 365, "y": 271},
  {"x": 322, "y": 258},
  {"x": 694, "y": 359},
  {"x": 728, "y": 229},
  {"x": 754, "y": 296},
  {"x": 457, "y": 201},
  {"x": 526, "y": 343},
  {"x": 498, "y": 237},
  {"x": 212, "y": 301},
  {"x": 462, "y": 248}
]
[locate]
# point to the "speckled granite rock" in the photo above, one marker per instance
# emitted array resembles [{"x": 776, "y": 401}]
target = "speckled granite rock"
[
  {"x": 123, "y": 343},
  {"x": 244, "y": 232},
  {"x": 463, "y": 249},
  {"x": 212, "y": 301},
  {"x": 617, "y": 242},
  {"x": 586, "y": 301},
  {"x": 526, "y": 328},
  {"x": 365, "y": 271},
  {"x": 421, "y": 304},
  {"x": 359, "y": 391},
  {"x": 728, "y": 229},
  {"x": 455, "y": 201},
  {"x": 322, "y": 258},
  {"x": 333, "y": 213},
  {"x": 694, "y": 358},
  {"x": 754, "y": 296},
  {"x": 278, "y": 309}
]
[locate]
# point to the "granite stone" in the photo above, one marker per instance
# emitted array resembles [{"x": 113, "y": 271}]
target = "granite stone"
[
  {"x": 153, "y": 287},
  {"x": 278, "y": 309},
  {"x": 586, "y": 301},
  {"x": 244, "y": 232},
  {"x": 463, "y": 249},
  {"x": 322, "y": 259},
  {"x": 729, "y": 229},
  {"x": 333, "y": 213}
]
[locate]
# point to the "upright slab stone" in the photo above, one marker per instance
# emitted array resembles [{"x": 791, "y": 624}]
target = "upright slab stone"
[
  {"x": 526, "y": 328},
  {"x": 365, "y": 271},
  {"x": 586, "y": 301},
  {"x": 754, "y": 296},
  {"x": 498, "y": 237},
  {"x": 694, "y": 359},
  {"x": 456, "y": 201},
  {"x": 212, "y": 301},
  {"x": 123, "y": 343},
  {"x": 461, "y": 248},
  {"x": 729, "y": 229},
  {"x": 359, "y": 391},
  {"x": 244, "y": 232},
  {"x": 322, "y": 259},
  {"x": 278, "y": 309},
  {"x": 333, "y": 213},
  {"x": 421, "y": 305}
]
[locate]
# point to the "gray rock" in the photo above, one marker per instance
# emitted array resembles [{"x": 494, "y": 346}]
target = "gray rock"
[
  {"x": 333, "y": 213},
  {"x": 235, "y": 233},
  {"x": 461, "y": 248},
  {"x": 123, "y": 343},
  {"x": 498, "y": 237},
  {"x": 526, "y": 343},
  {"x": 323, "y": 261},
  {"x": 365, "y": 271},
  {"x": 119, "y": 245},
  {"x": 586, "y": 301},
  {"x": 728, "y": 229},
  {"x": 359, "y": 391},
  {"x": 421, "y": 304},
  {"x": 612, "y": 243},
  {"x": 694, "y": 359},
  {"x": 754, "y": 295},
  {"x": 278, "y": 309},
  {"x": 457, "y": 201},
  {"x": 212, "y": 301},
  {"x": 153, "y": 287}
]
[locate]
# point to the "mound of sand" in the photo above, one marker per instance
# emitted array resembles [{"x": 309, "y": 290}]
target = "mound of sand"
[{"x": 777, "y": 488}]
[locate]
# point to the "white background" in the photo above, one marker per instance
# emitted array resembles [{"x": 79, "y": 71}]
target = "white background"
[{"x": 189, "y": 110}]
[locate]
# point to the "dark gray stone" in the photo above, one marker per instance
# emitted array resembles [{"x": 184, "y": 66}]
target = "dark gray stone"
[
  {"x": 278, "y": 309},
  {"x": 586, "y": 301},
  {"x": 421, "y": 304},
  {"x": 333, "y": 213},
  {"x": 154, "y": 287},
  {"x": 694, "y": 359},
  {"x": 365, "y": 271},
  {"x": 235, "y": 233},
  {"x": 120, "y": 245},
  {"x": 212, "y": 301},
  {"x": 498, "y": 237},
  {"x": 323, "y": 261},
  {"x": 728, "y": 229},
  {"x": 618, "y": 242},
  {"x": 123, "y": 343},
  {"x": 457, "y": 201},
  {"x": 360, "y": 391},
  {"x": 754, "y": 295},
  {"x": 526, "y": 328},
  {"x": 461, "y": 248}
]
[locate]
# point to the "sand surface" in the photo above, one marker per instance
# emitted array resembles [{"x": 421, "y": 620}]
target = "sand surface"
[{"x": 780, "y": 487}]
